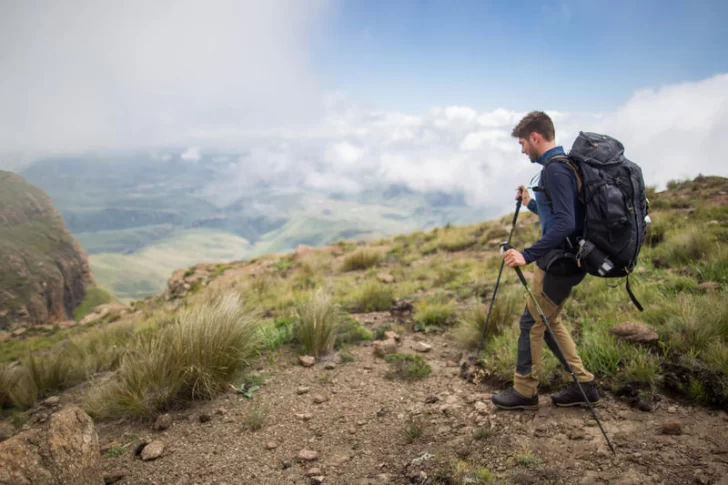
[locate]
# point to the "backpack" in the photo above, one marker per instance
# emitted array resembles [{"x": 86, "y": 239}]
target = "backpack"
[{"x": 612, "y": 189}]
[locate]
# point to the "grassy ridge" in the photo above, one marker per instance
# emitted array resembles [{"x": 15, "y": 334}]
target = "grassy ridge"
[{"x": 448, "y": 275}]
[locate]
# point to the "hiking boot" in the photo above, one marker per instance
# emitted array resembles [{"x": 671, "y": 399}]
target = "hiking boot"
[
  {"x": 572, "y": 396},
  {"x": 511, "y": 399}
]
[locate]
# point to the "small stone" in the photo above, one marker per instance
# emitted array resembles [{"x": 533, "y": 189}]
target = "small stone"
[
  {"x": 19, "y": 331},
  {"x": 314, "y": 471},
  {"x": 431, "y": 399},
  {"x": 221, "y": 411},
  {"x": 672, "y": 409},
  {"x": 577, "y": 434},
  {"x": 463, "y": 452},
  {"x": 709, "y": 286},
  {"x": 302, "y": 390},
  {"x": 152, "y": 451},
  {"x": 317, "y": 479},
  {"x": 644, "y": 405},
  {"x": 204, "y": 418},
  {"x": 6, "y": 431},
  {"x": 422, "y": 347},
  {"x": 110, "y": 478},
  {"x": 390, "y": 334},
  {"x": 307, "y": 455},
  {"x": 162, "y": 422},
  {"x": 330, "y": 366},
  {"x": 481, "y": 407},
  {"x": 271, "y": 445},
  {"x": 319, "y": 399},
  {"x": 285, "y": 464},
  {"x": 671, "y": 427},
  {"x": 385, "y": 277},
  {"x": 307, "y": 360},
  {"x": 52, "y": 401},
  {"x": 384, "y": 347},
  {"x": 304, "y": 416},
  {"x": 634, "y": 332},
  {"x": 352, "y": 430}
]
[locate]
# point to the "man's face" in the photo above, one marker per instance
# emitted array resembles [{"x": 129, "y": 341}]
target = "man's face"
[{"x": 528, "y": 149}]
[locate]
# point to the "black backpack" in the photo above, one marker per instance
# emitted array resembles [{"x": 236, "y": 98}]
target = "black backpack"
[{"x": 612, "y": 190}]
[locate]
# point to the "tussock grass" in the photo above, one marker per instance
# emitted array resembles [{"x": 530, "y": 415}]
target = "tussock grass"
[
  {"x": 317, "y": 323},
  {"x": 414, "y": 429},
  {"x": 457, "y": 239},
  {"x": 373, "y": 296},
  {"x": 349, "y": 331},
  {"x": 193, "y": 358},
  {"x": 687, "y": 247},
  {"x": 508, "y": 305},
  {"x": 435, "y": 311},
  {"x": 362, "y": 258},
  {"x": 407, "y": 367},
  {"x": 255, "y": 419}
]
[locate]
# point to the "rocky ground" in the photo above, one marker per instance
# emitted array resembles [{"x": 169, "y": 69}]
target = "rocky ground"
[{"x": 346, "y": 422}]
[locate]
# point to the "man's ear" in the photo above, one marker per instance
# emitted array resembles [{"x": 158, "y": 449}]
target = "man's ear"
[{"x": 535, "y": 138}]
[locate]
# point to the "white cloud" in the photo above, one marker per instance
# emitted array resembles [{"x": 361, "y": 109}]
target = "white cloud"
[
  {"x": 671, "y": 132},
  {"x": 192, "y": 154}
]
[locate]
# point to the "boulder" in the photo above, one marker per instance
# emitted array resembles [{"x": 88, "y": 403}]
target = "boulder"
[
  {"x": 385, "y": 277},
  {"x": 64, "y": 450},
  {"x": 635, "y": 332},
  {"x": 384, "y": 347},
  {"x": 709, "y": 286}
]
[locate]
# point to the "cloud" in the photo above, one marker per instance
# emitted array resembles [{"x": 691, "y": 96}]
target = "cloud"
[
  {"x": 671, "y": 132},
  {"x": 192, "y": 154},
  {"x": 83, "y": 74}
]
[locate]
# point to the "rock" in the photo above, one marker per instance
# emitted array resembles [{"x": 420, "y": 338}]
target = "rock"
[
  {"x": 304, "y": 416},
  {"x": 431, "y": 399},
  {"x": 390, "y": 334},
  {"x": 221, "y": 411},
  {"x": 307, "y": 360},
  {"x": 330, "y": 366},
  {"x": 110, "y": 478},
  {"x": 204, "y": 418},
  {"x": 577, "y": 434},
  {"x": 709, "y": 286},
  {"x": 463, "y": 452},
  {"x": 352, "y": 430},
  {"x": 384, "y": 347},
  {"x": 52, "y": 401},
  {"x": 385, "y": 277},
  {"x": 271, "y": 445},
  {"x": 18, "y": 332},
  {"x": 317, "y": 479},
  {"x": 634, "y": 332},
  {"x": 7, "y": 430},
  {"x": 302, "y": 390},
  {"x": 672, "y": 409},
  {"x": 671, "y": 427},
  {"x": 63, "y": 450},
  {"x": 523, "y": 478},
  {"x": 422, "y": 347},
  {"x": 285, "y": 464},
  {"x": 162, "y": 422},
  {"x": 644, "y": 404},
  {"x": 152, "y": 451},
  {"x": 307, "y": 455},
  {"x": 314, "y": 471},
  {"x": 319, "y": 399},
  {"x": 401, "y": 310}
]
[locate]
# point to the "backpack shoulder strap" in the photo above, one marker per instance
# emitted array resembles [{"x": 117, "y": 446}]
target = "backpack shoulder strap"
[{"x": 569, "y": 163}]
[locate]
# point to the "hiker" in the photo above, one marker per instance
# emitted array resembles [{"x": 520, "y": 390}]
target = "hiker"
[{"x": 561, "y": 215}]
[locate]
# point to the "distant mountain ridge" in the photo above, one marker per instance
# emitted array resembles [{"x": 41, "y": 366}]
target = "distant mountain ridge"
[{"x": 44, "y": 271}]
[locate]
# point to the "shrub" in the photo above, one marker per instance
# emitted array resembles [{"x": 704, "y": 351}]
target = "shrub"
[
  {"x": 362, "y": 258},
  {"x": 373, "y": 296},
  {"x": 506, "y": 308},
  {"x": 317, "y": 323},
  {"x": 407, "y": 367},
  {"x": 255, "y": 419},
  {"x": 414, "y": 429},
  {"x": 434, "y": 312},
  {"x": 193, "y": 358},
  {"x": 350, "y": 332}
]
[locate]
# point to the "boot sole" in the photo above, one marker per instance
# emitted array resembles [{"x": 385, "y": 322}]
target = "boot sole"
[
  {"x": 580, "y": 403},
  {"x": 524, "y": 407}
]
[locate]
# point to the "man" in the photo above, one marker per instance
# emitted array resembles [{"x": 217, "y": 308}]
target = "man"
[{"x": 561, "y": 215}]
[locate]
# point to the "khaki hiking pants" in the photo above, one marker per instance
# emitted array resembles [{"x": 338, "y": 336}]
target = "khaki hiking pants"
[{"x": 551, "y": 292}]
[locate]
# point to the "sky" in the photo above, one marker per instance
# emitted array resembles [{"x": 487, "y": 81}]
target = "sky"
[{"x": 349, "y": 94}]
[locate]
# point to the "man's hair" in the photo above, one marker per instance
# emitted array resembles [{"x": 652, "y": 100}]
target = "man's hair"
[{"x": 535, "y": 121}]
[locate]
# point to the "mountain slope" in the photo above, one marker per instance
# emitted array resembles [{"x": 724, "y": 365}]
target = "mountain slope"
[{"x": 44, "y": 272}]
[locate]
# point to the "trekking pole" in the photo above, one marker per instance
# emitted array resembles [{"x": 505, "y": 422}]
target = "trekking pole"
[
  {"x": 562, "y": 358},
  {"x": 497, "y": 281}
]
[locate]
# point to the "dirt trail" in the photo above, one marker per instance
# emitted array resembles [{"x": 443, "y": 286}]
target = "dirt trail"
[{"x": 358, "y": 432}]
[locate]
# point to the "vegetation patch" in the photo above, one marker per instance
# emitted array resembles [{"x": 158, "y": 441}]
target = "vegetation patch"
[{"x": 408, "y": 367}]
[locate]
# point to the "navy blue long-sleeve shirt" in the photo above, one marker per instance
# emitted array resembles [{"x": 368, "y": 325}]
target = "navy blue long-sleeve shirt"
[{"x": 561, "y": 217}]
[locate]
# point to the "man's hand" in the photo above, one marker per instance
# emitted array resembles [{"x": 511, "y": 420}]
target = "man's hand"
[
  {"x": 513, "y": 258},
  {"x": 523, "y": 194}
]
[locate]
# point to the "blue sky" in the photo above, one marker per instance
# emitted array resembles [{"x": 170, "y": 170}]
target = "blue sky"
[{"x": 557, "y": 55}]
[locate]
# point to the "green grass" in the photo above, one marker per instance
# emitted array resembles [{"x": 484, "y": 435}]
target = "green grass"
[
  {"x": 372, "y": 296},
  {"x": 318, "y": 318},
  {"x": 507, "y": 307},
  {"x": 191, "y": 359},
  {"x": 349, "y": 331},
  {"x": 407, "y": 367},
  {"x": 256, "y": 417},
  {"x": 526, "y": 459},
  {"x": 95, "y": 296},
  {"x": 362, "y": 258},
  {"x": 436, "y": 311},
  {"x": 414, "y": 429}
]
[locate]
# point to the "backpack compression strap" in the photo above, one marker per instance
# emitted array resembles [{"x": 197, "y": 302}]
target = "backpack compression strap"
[{"x": 632, "y": 297}]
